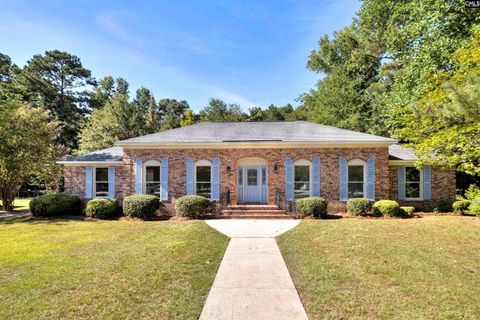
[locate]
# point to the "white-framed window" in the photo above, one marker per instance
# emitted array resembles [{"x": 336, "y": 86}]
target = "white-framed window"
[
  {"x": 357, "y": 179},
  {"x": 101, "y": 183},
  {"x": 151, "y": 183},
  {"x": 203, "y": 178},
  {"x": 302, "y": 187},
  {"x": 413, "y": 183}
]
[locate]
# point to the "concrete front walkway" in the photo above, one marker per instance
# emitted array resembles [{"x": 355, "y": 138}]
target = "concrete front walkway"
[{"x": 253, "y": 281}]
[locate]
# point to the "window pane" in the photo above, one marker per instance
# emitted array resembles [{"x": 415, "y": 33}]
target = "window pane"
[
  {"x": 264, "y": 176},
  {"x": 101, "y": 174},
  {"x": 412, "y": 174},
  {"x": 302, "y": 173},
  {"x": 203, "y": 173},
  {"x": 204, "y": 189},
  {"x": 101, "y": 189},
  {"x": 153, "y": 174},
  {"x": 412, "y": 190},
  {"x": 302, "y": 190},
  {"x": 152, "y": 188},
  {"x": 355, "y": 173},
  {"x": 252, "y": 177},
  {"x": 355, "y": 189},
  {"x": 240, "y": 175}
]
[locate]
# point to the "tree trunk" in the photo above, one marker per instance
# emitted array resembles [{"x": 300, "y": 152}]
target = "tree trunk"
[
  {"x": 7, "y": 201},
  {"x": 7, "y": 194}
]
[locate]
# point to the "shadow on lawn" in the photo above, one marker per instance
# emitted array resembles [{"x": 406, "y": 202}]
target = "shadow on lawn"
[{"x": 34, "y": 220}]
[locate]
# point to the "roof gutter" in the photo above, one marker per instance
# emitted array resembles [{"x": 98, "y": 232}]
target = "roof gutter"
[{"x": 90, "y": 163}]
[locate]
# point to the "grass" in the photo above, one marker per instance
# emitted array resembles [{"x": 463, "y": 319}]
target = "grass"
[
  {"x": 64, "y": 269},
  {"x": 19, "y": 204},
  {"x": 426, "y": 268}
]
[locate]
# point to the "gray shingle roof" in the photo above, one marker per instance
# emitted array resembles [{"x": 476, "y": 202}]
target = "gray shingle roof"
[
  {"x": 105, "y": 155},
  {"x": 285, "y": 131},
  {"x": 397, "y": 152}
]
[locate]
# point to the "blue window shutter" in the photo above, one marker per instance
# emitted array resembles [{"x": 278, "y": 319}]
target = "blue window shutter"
[
  {"x": 88, "y": 182},
  {"x": 371, "y": 178},
  {"x": 427, "y": 183},
  {"x": 401, "y": 182},
  {"x": 111, "y": 182},
  {"x": 164, "y": 179},
  {"x": 190, "y": 189},
  {"x": 316, "y": 177},
  {"x": 289, "y": 178},
  {"x": 215, "y": 195},
  {"x": 343, "y": 179},
  {"x": 138, "y": 176}
]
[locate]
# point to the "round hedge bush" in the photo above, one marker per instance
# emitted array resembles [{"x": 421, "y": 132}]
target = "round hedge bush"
[
  {"x": 192, "y": 206},
  {"x": 141, "y": 206},
  {"x": 359, "y": 206},
  {"x": 386, "y": 208},
  {"x": 461, "y": 206},
  {"x": 101, "y": 208},
  {"x": 474, "y": 207},
  {"x": 312, "y": 206},
  {"x": 55, "y": 205},
  {"x": 407, "y": 211},
  {"x": 445, "y": 205}
]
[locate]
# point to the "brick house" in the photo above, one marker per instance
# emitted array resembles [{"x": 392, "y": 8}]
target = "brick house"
[{"x": 263, "y": 163}]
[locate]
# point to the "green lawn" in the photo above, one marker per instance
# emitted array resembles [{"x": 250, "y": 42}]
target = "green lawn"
[
  {"x": 65, "y": 269},
  {"x": 19, "y": 204},
  {"x": 426, "y": 268}
]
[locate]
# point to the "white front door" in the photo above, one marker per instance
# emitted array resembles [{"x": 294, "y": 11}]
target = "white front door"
[{"x": 252, "y": 184}]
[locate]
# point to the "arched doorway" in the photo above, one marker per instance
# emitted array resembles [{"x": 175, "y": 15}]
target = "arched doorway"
[{"x": 252, "y": 182}]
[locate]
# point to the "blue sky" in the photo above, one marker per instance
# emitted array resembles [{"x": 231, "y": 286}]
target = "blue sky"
[{"x": 246, "y": 52}]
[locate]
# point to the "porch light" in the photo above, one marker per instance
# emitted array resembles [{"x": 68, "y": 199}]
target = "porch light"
[
  {"x": 275, "y": 167},
  {"x": 228, "y": 168}
]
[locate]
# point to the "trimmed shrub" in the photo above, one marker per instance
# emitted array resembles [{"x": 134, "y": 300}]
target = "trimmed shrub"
[
  {"x": 312, "y": 206},
  {"x": 386, "y": 208},
  {"x": 55, "y": 205},
  {"x": 359, "y": 206},
  {"x": 474, "y": 207},
  {"x": 407, "y": 211},
  {"x": 445, "y": 205},
  {"x": 101, "y": 208},
  {"x": 461, "y": 206},
  {"x": 192, "y": 206},
  {"x": 141, "y": 206}
]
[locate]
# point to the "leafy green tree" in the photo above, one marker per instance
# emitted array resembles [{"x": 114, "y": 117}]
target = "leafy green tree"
[
  {"x": 287, "y": 112},
  {"x": 115, "y": 121},
  {"x": 56, "y": 81},
  {"x": 27, "y": 148},
  {"x": 8, "y": 71},
  {"x": 218, "y": 110},
  {"x": 256, "y": 114},
  {"x": 188, "y": 118},
  {"x": 444, "y": 124},
  {"x": 351, "y": 65},
  {"x": 171, "y": 112},
  {"x": 152, "y": 120},
  {"x": 105, "y": 89}
]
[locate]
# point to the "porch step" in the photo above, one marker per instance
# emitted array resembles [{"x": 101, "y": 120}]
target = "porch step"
[
  {"x": 254, "y": 216},
  {"x": 253, "y": 212},
  {"x": 252, "y": 207},
  {"x": 257, "y": 211}
]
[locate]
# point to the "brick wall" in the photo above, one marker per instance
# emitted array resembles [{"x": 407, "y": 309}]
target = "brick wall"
[
  {"x": 74, "y": 180},
  {"x": 329, "y": 169},
  {"x": 443, "y": 187},
  {"x": 443, "y": 181}
]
